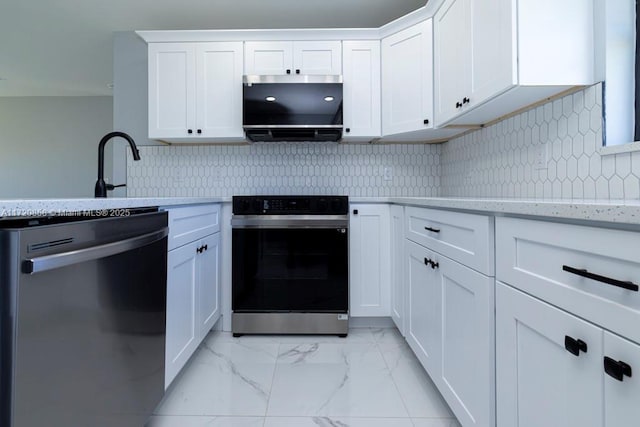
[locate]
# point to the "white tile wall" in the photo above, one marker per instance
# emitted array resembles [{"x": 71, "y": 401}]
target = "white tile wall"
[
  {"x": 500, "y": 160},
  {"x": 285, "y": 168},
  {"x": 497, "y": 161}
]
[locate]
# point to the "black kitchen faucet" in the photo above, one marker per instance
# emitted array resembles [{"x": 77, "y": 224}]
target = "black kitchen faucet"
[{"x": 101, "y": 186}]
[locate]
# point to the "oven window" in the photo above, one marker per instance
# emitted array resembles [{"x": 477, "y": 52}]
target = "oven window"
[{"x": 303, "y": 270}]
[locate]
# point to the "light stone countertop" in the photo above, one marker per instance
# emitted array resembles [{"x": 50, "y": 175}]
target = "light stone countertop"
[{"x": 613, "y": 211}]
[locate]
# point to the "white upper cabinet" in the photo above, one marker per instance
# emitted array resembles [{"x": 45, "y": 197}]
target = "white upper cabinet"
[
  {"x": 493, "y": 57},
  {"x": 361, "y": 89},
  {"x": 195, "y": 92},
  {"x": 407, "y": 80},
  {"x": 289, "y": 57},
  {"x": 172, "y": 90}
]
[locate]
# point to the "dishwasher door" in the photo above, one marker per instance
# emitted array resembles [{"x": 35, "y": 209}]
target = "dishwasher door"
[{"x": 84, "y": 323}]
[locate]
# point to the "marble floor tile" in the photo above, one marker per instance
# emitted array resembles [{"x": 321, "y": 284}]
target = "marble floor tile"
[
  {"x": 224, "y": 378},
  {"x": 327, "y": 379},
  {"x": 418, "y": 392},
  {"x": 336, "y": 422},
  {"x": 195, "y": 421},
  {"x": 369, "y": 379}
]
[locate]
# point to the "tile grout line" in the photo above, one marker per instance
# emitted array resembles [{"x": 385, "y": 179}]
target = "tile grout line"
[
  {"x": 273, "y": 378},
  {"x": 404, "y": 404}
]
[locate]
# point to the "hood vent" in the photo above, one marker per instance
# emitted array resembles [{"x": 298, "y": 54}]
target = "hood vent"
[
  {"x": 292, "y": 108},
  {"x": 293, "y": 134}
]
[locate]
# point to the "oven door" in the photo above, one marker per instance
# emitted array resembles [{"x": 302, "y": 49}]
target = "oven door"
[{"x": 294, "y": 268}]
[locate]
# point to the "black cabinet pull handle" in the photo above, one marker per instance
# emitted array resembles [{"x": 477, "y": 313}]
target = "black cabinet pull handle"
[
  {"x": 433, "y": 230},
  {"x": 466, "y": 100},
  {"x": 199, "y": 250},
  {"x": 432, "y": 263},
  {"x": 288, "y": 71},
  {"x": 574, "y": 346},
  {"x": 199, "y": 130},
  {"x": 426, "y": 121},
  {"x": 616, "y": 368},
  {"x": 297, "y": 71},
  {"x": 458, "y": 105},
  {"x": 609, "y": 281},
  {"x": 355, "y": 211},
  {"x": 347, "y": 130},
  {"x": 189, "y": 131},
  {"x": 205, "y": 247}
]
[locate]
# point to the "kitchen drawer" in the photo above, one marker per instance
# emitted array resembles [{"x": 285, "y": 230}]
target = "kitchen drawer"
[
  {"x": 534, "y": 256},
  {"x": 189, "y": 223},
  {"x": 466, "y": 238}
]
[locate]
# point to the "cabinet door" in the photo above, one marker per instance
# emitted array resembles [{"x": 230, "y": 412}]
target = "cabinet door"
[
  {"x": 424, "y": 307},
  {"x": 361, "y": 88},
  {"x": 208, "y": 284},
  {"x": 182, "y": 336},
  {"x": 219, "y": 89},
  {"x": 451, "y": 58},
  {"x": 407, "y": 80},
  {"x": 398, "y": 288},
  {"x": 621, "y": 394},
  {"x": 268, "y": 58},
  {"x": 493, "y": 69},
  {"x": 369, "y": 266},
  {"x": 317, "y": 57},
  {"x": 172, "y": 90},
  {"x": 467, "y": 381},
  {"x": 538, "y": 381}
]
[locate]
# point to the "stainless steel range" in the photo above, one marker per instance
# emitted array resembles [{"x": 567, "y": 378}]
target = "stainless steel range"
[{"x": 290, "y": 265}]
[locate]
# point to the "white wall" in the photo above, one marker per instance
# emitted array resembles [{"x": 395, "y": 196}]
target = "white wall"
[{"x": 49, "y": 145}]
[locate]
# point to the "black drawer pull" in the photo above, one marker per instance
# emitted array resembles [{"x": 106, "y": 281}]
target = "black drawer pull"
[
  {"x": 616, "y": 368},
  {"x": 574, "y": 346},
  {"x": 200, "y": 249},
  {"x": 609, "y": 281},
  {"x": 205, "y": 247},
  {"x": 432, "y": 263},
  {"x": 433, "y": 230}
]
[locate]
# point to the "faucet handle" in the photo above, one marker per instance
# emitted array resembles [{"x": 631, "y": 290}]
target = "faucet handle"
[{"x": 111, "y": 187}]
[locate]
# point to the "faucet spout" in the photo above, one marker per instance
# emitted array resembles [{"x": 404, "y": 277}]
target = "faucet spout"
[{"x": 101, "y": 186}]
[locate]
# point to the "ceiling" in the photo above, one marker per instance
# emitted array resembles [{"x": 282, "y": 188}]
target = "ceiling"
[{"x": 64, "y": 47}]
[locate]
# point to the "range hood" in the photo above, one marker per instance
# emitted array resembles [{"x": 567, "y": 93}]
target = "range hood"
[{"x": 292, "y": 108}]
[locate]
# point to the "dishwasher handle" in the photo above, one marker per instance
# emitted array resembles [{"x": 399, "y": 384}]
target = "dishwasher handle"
[{"x": 50, "y": 262}]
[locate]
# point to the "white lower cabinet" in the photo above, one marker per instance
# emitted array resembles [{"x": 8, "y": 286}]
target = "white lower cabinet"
[
  {"x": 467, "y": 377},
  {"x": 450, "y": 329},
  {"x": 398, "y": 282},
  {"x": 423, "y": 314},
  {"x": 567, "y": 310},
  {"x": 193, "y": 283},
  {"x": 182, "y": 285},
  {"x": 209, "y": 284},
  {"x": 556, "y": 369},
  {"x": 539, "y": 382},
  {"x": 621, "y": 384},
  {"x": 369, "y": 261}
]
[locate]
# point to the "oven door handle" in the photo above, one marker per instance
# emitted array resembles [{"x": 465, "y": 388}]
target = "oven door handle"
[
  {"x": 273, "y": 223},
  {"x": 50, "y": 262}
]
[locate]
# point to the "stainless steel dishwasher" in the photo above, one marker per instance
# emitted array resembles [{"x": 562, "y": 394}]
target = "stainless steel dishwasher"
[{"x": 82, "y": 326}]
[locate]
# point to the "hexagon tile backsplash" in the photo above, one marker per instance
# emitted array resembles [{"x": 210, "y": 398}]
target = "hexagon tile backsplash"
[
  {"x": 285, "y": 168},
  {"x": 501, "y": 160},
  {"x": 498, "y": 161}
]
